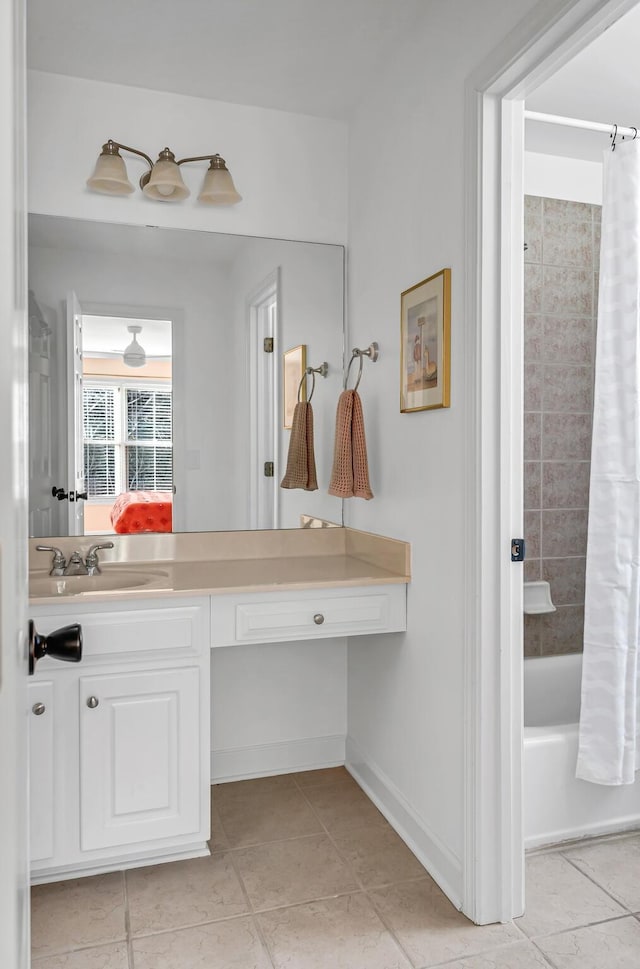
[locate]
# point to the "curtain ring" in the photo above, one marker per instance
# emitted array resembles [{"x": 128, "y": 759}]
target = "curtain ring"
[
  {"x": 346, "y": 379},
  {"x": 308, "y": 371}
]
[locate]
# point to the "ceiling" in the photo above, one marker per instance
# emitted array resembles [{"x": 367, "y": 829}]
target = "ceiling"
[
  {"x": 108, "y": 335},
  {"x": 601, "y": 84},
  {"x": 303, "y": 56}
]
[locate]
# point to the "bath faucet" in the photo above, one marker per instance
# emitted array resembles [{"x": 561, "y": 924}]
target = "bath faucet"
[
  {"x": 92, "y": 564},
  {"x": 58, "y": 563}
]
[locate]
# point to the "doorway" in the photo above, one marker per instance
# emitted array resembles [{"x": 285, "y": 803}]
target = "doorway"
[{"x": 496, "y": 96}]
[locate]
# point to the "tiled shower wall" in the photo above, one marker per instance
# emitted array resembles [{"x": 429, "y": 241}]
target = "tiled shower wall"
[{"x": 561, "y": 283}]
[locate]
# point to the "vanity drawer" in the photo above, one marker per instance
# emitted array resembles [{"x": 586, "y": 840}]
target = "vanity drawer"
[
  {"x": 310, "y": 614},
  {"x": 133, "y": 630}
]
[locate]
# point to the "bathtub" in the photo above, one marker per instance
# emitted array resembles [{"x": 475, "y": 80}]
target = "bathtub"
[{"x": 557, "y": 807}]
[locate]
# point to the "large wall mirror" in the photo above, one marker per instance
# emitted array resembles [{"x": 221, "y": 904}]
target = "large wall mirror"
[{"x": 156, "y": 377}]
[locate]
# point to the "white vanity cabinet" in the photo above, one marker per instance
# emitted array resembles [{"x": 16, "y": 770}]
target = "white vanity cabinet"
[{"x": 120, "y": 753}]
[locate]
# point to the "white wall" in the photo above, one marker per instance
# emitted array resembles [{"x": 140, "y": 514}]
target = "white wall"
[
  {"x": 406, "y": 205},
  {"x": 278, "y": 160},
  {"x": 560, "y": 177}
]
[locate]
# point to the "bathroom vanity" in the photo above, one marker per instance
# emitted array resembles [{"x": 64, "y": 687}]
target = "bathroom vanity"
[{"x": 120, "y": 742}]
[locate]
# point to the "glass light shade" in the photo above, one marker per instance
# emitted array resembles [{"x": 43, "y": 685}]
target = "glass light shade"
[
  {"x": 110, "y": 176},
  {"x": 165, "y": 183},
  {"x": 218, "y": 188},
  {"x": 134, "y": 355}
]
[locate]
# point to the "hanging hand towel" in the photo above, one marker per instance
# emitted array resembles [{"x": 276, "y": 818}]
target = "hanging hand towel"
[
  {"x": 350, "y": 473},
  {"x": 301, "y": 462}
]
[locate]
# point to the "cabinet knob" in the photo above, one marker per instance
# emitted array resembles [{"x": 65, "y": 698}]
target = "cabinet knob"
[
  {"x": 318, "y": 618},
  {"x": 38, "y": 709},
  {"x": 93, "y": 702}
]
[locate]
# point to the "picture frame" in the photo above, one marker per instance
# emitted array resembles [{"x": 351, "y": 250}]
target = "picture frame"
[
  {"x": 294, "y": 364},
  {"x": 425, "y": 344}
]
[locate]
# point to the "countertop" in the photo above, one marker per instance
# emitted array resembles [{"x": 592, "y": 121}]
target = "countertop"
[{"x": 309, "y": 559}]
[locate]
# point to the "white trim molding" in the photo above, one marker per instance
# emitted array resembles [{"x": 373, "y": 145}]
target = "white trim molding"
[
  {"x": 285, "y": 757},
  {"x": 540, "y": 44},
  {"x": 444, "y": 867}
]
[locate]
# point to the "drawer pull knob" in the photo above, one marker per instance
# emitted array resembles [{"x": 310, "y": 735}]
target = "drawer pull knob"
[
  {"x": 38, "y": 709},
  {"x": 318, "y": 618},
  {"x": 93, "y": 702}
]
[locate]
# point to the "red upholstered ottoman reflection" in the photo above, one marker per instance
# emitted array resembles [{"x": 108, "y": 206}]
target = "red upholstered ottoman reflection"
[{"x": 142, "y": 511}]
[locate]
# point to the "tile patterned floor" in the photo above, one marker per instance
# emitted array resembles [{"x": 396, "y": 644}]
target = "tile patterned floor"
[{"x": 305, "y": 873}]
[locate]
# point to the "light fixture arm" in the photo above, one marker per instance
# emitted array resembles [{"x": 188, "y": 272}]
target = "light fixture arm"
[{"x": 216, "y": 160}]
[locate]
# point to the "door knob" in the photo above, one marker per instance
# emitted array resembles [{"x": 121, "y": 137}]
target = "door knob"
[
  {"x": 59, "y": 493},
  {"x": 38, "y": 709},
  {"x": 93, "y": 702},
  {"x": 64, "y": 644}
]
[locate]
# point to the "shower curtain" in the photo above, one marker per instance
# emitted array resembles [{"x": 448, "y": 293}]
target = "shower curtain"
[{"x": 609, "y": 744}]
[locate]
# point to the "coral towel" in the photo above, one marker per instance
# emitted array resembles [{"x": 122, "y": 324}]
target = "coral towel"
[
  {"x": 350, "y": 473},
  {"x": 301, "y": 462}
]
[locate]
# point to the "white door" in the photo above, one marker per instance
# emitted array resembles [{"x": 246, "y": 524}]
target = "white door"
[
  {"x": 75, "y": 446},
  {"x": 263, "y": 393},
  {"x": 14, "y": 870},
  {"x": 139, "y": 756}
]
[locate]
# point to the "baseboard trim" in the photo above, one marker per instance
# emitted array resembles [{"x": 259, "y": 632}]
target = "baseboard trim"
[
  {"x": 442, "y": 864},
  {"x": 262, "y": 760}
]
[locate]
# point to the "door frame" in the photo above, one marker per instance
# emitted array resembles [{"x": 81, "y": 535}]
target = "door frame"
[
  {"x": 14, "y": 868},
  {"x": 264, "y": 380},
  {"x": 549, "y": 37}
]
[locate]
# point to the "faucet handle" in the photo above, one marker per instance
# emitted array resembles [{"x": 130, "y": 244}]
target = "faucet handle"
[
  {"x": 58, "y": 563},
  {"x": 92, "y": 557}
]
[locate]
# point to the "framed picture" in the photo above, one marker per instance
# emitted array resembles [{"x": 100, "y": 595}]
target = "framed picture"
[
  {"x": 294, "y": 366},
  {"x": 425, "y": 344}
]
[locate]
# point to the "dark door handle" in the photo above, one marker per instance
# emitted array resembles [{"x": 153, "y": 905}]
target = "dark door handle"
[
  {"x": 64, "y": 644},
  {"x": 81, "y": 494},
  {"x": 59, "y": 493}
]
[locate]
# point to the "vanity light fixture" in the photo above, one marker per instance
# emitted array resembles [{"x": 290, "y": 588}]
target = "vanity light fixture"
[
  {"x": 134, "y": 355},
  {"x": 163, "y": 181}
]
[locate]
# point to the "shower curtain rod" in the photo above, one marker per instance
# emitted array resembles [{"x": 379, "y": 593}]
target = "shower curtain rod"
[{"x": 577, "y": 123}]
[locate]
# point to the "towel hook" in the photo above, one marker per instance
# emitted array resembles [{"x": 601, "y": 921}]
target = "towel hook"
[
  {"x": 372, "y": 352},
  {"x": 323, "y": 370}
]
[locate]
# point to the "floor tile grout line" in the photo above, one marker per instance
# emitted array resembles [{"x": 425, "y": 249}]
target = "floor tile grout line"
[
  {"x": 578, "y": 928},
  {"x": 598, "y": 885},
  {"x": 251, "y": 912},
  {"x": 359, "y": 881},
  {"x": 127, "y": 919},
  {"x": 544, "y": 955}
]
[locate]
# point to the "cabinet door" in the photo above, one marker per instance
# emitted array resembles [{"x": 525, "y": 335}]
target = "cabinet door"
[
  {"x": 41, "y": 769},
  {"x": 139, "y": 757}
]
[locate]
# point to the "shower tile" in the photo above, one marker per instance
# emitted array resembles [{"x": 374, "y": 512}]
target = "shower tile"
[
  {"x": 533, "y": 337},
  {"x": 611, "y": 945},
  {"x": 566, "y": 291},
  {"x": 559, "y": 897},
  {"x": 532, "y": 567},
  {"x": 533, "y": 239},
  {"x": 568, "y": 339},
  {"x": 566, "y": 577},
  {"x": 564, "y": 532},
  {"x": 597, "y": 238},
  {"x": 533, "y": 206},
  {"x": 567, "y": 244},
  {"x": 533, "y": 386},
  {"x": 561, "y": 210},
  {"x": 565, "y": 484},
  {"x": 532, "y": 636},
  {"x": 566, "y": 437},
  {"x": 532, "y": 488},
  {"x": 562, "y": 631},
  {"x": 532, "y": 436},
  {"x": 532, "y": 288},
  {"x": 567, "y": 388},
  {"x": 614, "y": 865},
  {"x": 532, "y": 533}
]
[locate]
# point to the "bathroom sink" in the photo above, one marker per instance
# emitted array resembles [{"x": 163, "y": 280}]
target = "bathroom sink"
[{"x": 112, "y": 581}]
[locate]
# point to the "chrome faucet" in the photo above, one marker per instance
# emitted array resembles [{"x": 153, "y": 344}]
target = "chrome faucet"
[
  {"x": 75, "y": 565},
  {"x": 58, "y": 563},
  {"x": 92, "y": 564}
]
